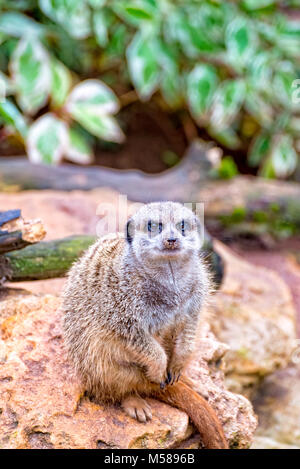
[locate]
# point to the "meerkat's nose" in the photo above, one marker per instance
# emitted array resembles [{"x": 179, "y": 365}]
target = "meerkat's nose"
[{"x": 171, "y": 243}]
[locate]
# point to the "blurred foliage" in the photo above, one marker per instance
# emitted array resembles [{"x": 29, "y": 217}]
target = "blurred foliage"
[
  {"x": 233, "y": 64},
  {"x": 227, "y": 168}
]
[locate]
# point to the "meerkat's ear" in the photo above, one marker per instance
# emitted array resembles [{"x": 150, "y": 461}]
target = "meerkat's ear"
[{"x": 129, "y": 231}]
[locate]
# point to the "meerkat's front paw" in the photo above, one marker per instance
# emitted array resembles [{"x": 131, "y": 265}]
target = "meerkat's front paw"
[
  {"x": 173, "y": 374},
  {"x": 157, "y": 373},
  {"x": 137, "y": 408}
]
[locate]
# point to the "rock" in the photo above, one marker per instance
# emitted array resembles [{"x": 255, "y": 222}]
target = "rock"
[
  {"x": 277, "y": 404},
  {"x": 253, "y": 313},
  {"x": 42, "y": 404},
  {"x": 67, "y": 213},
  {"x": 234, "y": 410},
  {"x": 194, "y": 442},
  {"x": 282, "y": 260},
  {"x": 261, "y": 442}
]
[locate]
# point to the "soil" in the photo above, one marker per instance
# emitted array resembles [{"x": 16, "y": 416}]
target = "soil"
[{"x": 152, "y": 138}]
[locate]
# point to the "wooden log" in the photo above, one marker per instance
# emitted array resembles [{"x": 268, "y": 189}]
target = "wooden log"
[
  {"x": 251, "y": 206},
  {"x": 173, "y": 184},
  {"x": 16, "y": 233},
  {"x": 244, "y": 205},
  {"x": 54, "y": 258},
  {"x": 46, "y": 259},
  {"x": 8, "y": 216}
]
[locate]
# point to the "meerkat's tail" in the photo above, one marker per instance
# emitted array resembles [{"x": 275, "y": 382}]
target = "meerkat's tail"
[{"x": 183, "y": 397}]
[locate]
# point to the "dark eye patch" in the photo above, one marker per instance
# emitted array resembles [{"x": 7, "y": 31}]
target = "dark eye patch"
[
  {"x": 183, "y": 226},
  {"x": 154, "y": 227}
]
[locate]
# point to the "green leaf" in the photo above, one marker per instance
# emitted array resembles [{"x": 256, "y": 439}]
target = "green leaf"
[
  {"x": 260, "y": 70},
  {"x": 72, "y": 15},
  {"x": 30, "y": 69},
  {"x": 97, "y": 3},
  {"x": 284, "y": 77},
  {"x": 267, "y": 170},
  {"x": 78, "y": 150},
  {"x": 61, "y": 83},
  {"x": 94, "y": 96},
  {"x": 143, "y": 66},
  {"x": 212, "y": 19},
  {"x": 138, "y": 13},
  {"x": 227, "y": 168},
  {"x": 253, "y": 5},
  {"x": 102, "y": 126},
  {"x": 117, "y": 42},
  {"x": 266, "y": 31},
  {"x": 288, "y": 36},
  {"x": 257, "y": 106},
  {"x": 17, "y": 25},
  {"x": 202, "y": 83},
  {"x": 241, "y": 42},
  {"x": 283, "y": 156},
  {"x": 171, "y": 86},
  {"x": 11, "y": 115},
  {"x": 135, "y": 12},
  {"x": 47, "y": 140},
  {"x": 226, "y": 137},
  {"x": 227, "y": 102},
  {"x": 89, "y": 104},
  {"x": 192, "y": 39},
  {"x": 259, "y": 149},
  {"x": 171, "y": 83},
  {"x": 100, "y": 24}
]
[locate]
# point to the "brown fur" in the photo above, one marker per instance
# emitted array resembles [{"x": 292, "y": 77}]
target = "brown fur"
[
  {"x": 182, "y": 396},
  {"x": 132, "y": 308}
]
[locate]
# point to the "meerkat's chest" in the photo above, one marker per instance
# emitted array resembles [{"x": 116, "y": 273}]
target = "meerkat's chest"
[{"x": 164, "y": 308}]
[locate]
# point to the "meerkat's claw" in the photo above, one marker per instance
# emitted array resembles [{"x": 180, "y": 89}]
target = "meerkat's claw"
[
  {"x": 137, "y": 408},
  {"x": 171, "y": 378},
  {"x": 176, "y": 377}
]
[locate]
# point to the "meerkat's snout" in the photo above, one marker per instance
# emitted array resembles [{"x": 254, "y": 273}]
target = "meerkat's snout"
[{"x": 171, "y": 243}]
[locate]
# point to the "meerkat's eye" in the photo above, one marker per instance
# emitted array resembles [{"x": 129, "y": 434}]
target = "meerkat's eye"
[
  {"x": 153, "y": 227},
  {"x": 183, "y": 226}
]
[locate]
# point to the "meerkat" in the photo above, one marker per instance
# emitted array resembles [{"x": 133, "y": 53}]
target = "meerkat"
[{"x": 132, "y": 305}]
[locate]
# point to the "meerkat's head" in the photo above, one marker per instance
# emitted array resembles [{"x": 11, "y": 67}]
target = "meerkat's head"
[{"x": 163, "y": 231}]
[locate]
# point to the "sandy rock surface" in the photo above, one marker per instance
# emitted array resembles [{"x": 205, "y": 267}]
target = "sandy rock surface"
[
  {"x": 254, "y": 314},
  {"x": 63, "y": 213},
  {"x": 277, "y": 404},
  {"x": 42, "y": 404}
]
